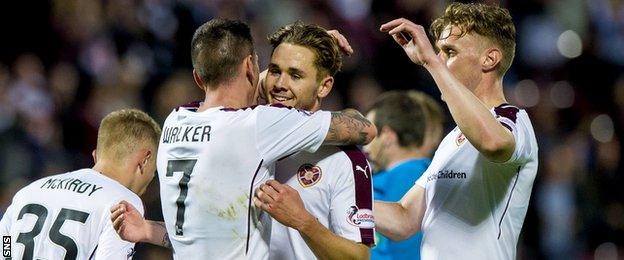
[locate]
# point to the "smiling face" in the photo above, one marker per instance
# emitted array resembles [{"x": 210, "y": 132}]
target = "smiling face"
[
  {"x": 293, "y": 80},
  {"x": 462, "y": 55}
]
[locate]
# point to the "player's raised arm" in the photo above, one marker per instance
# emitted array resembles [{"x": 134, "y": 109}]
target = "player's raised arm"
[
  {"x": 472, "y": 115},
  {"x": 349, "y": 127}
]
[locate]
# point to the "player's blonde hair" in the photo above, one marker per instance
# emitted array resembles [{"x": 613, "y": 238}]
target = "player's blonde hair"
[
  {"x": 492, "y": 22},
  {"x": 122, "y": 132}
]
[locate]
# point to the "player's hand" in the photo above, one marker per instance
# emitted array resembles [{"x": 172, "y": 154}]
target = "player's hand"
[
  {"x": 128, "y": 222},
  {"x": 418, "y": 48},
  {"x": 283, "y": 203},
  {"x": 343, "y": 43}
]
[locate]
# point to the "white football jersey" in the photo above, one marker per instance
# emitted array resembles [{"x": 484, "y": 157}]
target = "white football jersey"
[
  {"x": 335, "y": 185},
  {"x": 67, "y": 216},
  {"x": 209, "y": 164},
  {"x": 475, "y": 207}
]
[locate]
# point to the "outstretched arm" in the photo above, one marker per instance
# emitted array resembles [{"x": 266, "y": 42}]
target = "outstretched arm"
[
  {"x": 132, "y": 227},
  {"x": 349, "y": 127},
  {"x": 284, "y": 204},
  {"x": 400, "y": 220},
  {"x": 472, "y": 116}
]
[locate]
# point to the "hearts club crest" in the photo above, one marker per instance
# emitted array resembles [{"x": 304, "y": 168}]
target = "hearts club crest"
[{"x": 308, "y": 175}]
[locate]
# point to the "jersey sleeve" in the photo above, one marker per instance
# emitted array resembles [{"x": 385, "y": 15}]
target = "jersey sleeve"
[
  {"x": 508, "y": 116},
  {"x": 7, "y": 221},
  {"x": 422, "y": 180},
  {"x": 351, "y": 206},
  {"x": 110, "y": 245},
  {"x": 282, "y": 131}
]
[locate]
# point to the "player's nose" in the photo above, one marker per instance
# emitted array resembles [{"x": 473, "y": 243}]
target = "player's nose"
[
  {"x": 442, "y": 56},
  {"x": 281, "y": 84}
]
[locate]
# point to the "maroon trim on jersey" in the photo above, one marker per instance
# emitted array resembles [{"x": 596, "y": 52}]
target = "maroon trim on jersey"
[
  {"x": 231, "y": 109},
  {"x": 190, "y": 106},
  {"x": 249, "y": 205},
  {"x": 506, "y": 126},
  {"x": 508, "y": 200},
  {"x": 507, "y": 111},
  {"x": 363, "y": 186},
  {"x": 280, "y": 105}
]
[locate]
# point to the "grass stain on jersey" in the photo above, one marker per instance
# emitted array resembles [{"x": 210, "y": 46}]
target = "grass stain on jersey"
[{"x": 228, "y": 213}]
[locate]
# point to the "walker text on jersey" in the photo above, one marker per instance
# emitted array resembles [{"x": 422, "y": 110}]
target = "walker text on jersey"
[{"x": 176, "y": 134}]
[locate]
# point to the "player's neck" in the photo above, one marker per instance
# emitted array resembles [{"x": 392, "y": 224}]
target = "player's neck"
[
  {"x": 316, "y": 107},
  {"x": 490, "y": 92},
  {"x": 400, "y": 155},
  {"x": 114, "y": 172},
  {"x": 233, "y": 94}
]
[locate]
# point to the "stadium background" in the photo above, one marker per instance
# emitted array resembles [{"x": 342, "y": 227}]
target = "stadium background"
[{"x": 64, "y": 64}]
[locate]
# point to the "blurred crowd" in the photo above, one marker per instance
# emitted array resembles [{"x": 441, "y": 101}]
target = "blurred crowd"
[{"x": 64, "y": 64}]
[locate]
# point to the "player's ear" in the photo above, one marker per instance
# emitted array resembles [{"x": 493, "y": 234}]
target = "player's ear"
[
  {"x": 94, "y": 155},
  {"x": 325, "y": 87},
  {"x": 145, "y": 155},
  {"x": 250, "y": 70},
  {"x": 492, "y": 58},
  {"x": 198, "y": 80},
  {"x": 390, "y": 136}
]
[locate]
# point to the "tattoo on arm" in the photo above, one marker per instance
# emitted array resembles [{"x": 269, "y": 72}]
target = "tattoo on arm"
[
  {"x": 348, "y": 127},
  {"x": 165, "y": 239},
  {"x": 166, "y": 242}
]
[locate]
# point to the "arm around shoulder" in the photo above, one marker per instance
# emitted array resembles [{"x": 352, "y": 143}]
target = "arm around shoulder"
[{"x": 350, "y": 127}]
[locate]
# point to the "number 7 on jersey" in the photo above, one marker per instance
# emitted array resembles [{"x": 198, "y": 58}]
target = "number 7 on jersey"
[{"x": 186, "y": 168}]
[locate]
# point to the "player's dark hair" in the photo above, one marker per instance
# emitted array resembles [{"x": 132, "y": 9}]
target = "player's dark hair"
[
  {"x": 403, "y": 114},
  {"x": 218, "y": 47},
  {"x": 328, "y": 59}
]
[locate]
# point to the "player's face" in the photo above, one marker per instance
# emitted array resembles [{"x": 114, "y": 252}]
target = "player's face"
[
  {"x": 292, "y": 77},
  {"x": 375, "y": 148},
  {"x": 462, "y": 55}
]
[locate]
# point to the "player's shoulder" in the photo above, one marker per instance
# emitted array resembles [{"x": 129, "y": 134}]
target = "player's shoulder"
[
  {"x": 39, "y": 182},
  {"x": 333, "y": 155},
  {"x": 352, "y": 161},
  {"x": 508, "y": 111},
  {"x": 112, "y": 190},
  {"x": 353, "y": 153},
  {"x": 280, "y": 109}
]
